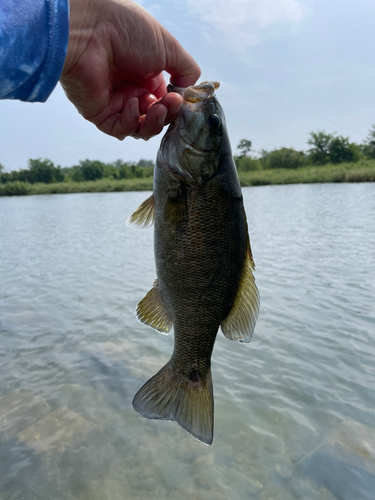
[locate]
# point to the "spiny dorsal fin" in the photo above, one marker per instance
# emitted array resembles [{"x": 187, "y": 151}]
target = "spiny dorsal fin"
[
  {"x": 240, "y": 323},
  {"x": 144, "y": 216},
  {"x": 151, "y": 311}
]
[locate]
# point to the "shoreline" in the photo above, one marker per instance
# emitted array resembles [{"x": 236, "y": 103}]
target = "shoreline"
[{"x": 363, "y": 171}]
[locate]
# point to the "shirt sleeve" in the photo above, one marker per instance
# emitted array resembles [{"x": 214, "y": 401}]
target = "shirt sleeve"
[{"x": 33, "y": 44}]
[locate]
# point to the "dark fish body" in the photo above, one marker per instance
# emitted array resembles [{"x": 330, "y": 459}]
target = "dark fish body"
[{"x": 203, "y": 262}]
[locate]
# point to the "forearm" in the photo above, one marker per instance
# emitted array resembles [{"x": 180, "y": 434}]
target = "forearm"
[{"x": 33, "y": 45}]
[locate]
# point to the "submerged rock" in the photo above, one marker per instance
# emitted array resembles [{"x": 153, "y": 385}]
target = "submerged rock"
[{"x": 345, "y": 464}]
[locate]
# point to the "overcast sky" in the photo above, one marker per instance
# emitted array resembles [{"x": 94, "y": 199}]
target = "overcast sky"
[{"x": 313, "y": 55}]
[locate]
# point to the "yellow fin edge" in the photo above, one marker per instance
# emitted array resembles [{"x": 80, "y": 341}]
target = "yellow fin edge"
[
  {"x": 144, "y": 216},
  {"x": 151, "y": 311},
  {"x": 240, "y": 323}
]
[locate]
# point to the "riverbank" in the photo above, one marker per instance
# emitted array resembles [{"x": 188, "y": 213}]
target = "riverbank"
[{"x": 363, "y": 171}]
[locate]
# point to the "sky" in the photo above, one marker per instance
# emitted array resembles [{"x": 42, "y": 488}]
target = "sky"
[{"x": 287, "y": 67}]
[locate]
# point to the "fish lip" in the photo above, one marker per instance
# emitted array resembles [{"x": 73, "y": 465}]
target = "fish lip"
[
  {"x": 201, "y": 92},
  {"x": 176, "y": 89}
]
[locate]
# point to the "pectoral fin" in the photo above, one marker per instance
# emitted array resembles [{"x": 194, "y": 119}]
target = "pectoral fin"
[
  {"x": 144, "y": 216},
  {"x": 240, "y": 323},
  {"x": 151, "y": 311}
]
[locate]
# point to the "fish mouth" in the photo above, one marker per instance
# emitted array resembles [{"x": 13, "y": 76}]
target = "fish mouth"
[
  {"x": 195, "y": 93},
  {"x": 201, "y": 92}
]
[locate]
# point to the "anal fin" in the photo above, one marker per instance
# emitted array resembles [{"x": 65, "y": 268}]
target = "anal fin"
[
  {"x": 144, "y": 216},
  {"x": 151, "y": 311}
]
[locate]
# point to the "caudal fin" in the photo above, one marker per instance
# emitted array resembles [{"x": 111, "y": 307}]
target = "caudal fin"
[{"x": 190, "y": 404}]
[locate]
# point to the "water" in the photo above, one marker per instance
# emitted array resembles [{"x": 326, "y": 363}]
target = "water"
[{"x": 294, "y": 410}]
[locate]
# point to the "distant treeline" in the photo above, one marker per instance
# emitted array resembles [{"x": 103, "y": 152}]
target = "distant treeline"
[
  {"x": 324, "y": 149},
  {"x": 43, "y": 170}
]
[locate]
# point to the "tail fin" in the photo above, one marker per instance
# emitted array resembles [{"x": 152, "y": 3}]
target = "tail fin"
[{"x": 190, "y": 404}]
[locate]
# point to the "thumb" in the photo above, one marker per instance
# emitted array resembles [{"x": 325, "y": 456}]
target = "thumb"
[{"x": 180, "y": 64}]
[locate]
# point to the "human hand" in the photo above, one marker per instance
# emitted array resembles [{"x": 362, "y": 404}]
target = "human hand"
[{"x": 113, "y": 68}]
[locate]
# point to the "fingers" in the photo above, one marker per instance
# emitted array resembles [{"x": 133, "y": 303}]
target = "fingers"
[
  {"x": 124, "y": 123},
  {"x": 158, "y": 115},
  {"x": 143, "y": 117},
  {"x": 145, "y": 101},
  {"x": 172, "y": 102},
  {"x": 152, "y": 122}
]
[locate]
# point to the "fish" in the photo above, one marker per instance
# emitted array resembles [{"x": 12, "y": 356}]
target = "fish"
[{"x": 203, "y": 259}]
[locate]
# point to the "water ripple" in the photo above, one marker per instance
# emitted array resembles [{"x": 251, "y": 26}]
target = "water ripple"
[{"x": 72, "y": 355}]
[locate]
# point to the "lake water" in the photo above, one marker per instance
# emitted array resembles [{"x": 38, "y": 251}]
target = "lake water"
[{"x": 294, "y": 410}]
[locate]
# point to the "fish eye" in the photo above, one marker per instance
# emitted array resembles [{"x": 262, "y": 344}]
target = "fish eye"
[{"x": 214, "y": 121}]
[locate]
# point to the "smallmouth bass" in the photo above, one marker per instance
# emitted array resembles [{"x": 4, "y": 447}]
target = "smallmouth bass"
[{"x": 203, "y": 261}]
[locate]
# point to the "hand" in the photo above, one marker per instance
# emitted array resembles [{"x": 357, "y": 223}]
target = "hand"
[{"x": 113, "y": 68}]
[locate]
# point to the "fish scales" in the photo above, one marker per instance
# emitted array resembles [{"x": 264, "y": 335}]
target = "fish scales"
[
  {"x": 200, "y": 276},
  {"x": 203, "y": 261}
]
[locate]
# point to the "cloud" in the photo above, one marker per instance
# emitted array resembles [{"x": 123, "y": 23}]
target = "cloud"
[{"x": 245, "y": 23}]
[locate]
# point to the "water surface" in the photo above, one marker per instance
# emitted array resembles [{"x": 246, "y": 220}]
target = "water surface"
[{"x": 294, "y": 410}]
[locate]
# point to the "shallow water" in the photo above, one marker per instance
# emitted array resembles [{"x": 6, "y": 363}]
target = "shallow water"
[{"x": 294, "y": 410}]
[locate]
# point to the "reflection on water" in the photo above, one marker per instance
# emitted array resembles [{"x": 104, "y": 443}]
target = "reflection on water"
[{"x": 294, "y": 410}]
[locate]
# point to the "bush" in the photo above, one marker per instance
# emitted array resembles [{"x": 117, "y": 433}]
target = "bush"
[
  {"x": 319, "y": 153},
  {"x": 247, "y": 164},
  {"x": 41, "y": 171},
  {"x": 330, "y": 149},
  {"x": 368, "y": 147},
  {"x": 341, "y": 150},
  {"x": 91, "y": 169},
  {"x": 285, "y": 158},
  {"x": 15, "y": 188}
]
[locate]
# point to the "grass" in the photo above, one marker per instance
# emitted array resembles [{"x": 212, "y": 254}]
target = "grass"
[
  {"x": 363, "y": 171},
  {"x": 100, "y": 186}
]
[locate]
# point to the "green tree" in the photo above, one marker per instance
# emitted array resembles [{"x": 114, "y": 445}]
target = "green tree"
[
  {"x": 368, "y": 147},
  {"x": 75, "y": 174},
  {"x": 110, "y": 171},
  {"x": 285, "y": 158},
  {"x": 145, "y": 163},
  {"x": 117, "y": 163},
  {"x": 125, "y": 171},
  {"x": 247, "y": 164},
  {"x": 137, "y": 172},
  {"x": 41, "y": 171},
  {"x": 3, "y": 175},
  {"x": 319, "y": 153},
  {"x": 91, "y": 169},
  {"x": 340, "y": 150},
  {"x": 244, "y": 147}
]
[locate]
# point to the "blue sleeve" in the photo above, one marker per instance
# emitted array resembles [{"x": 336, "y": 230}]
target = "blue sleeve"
[{"x": 33, "y": 44}]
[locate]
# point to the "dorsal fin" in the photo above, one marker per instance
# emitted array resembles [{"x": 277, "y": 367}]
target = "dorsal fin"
[
  {"x": 151, "y": 311},
  {"x": 144, "y": 216},
  {"x": 240, "y": 323}
]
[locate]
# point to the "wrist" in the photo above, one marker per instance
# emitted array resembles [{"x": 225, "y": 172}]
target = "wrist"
[{"x": 83, "y": 15}]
